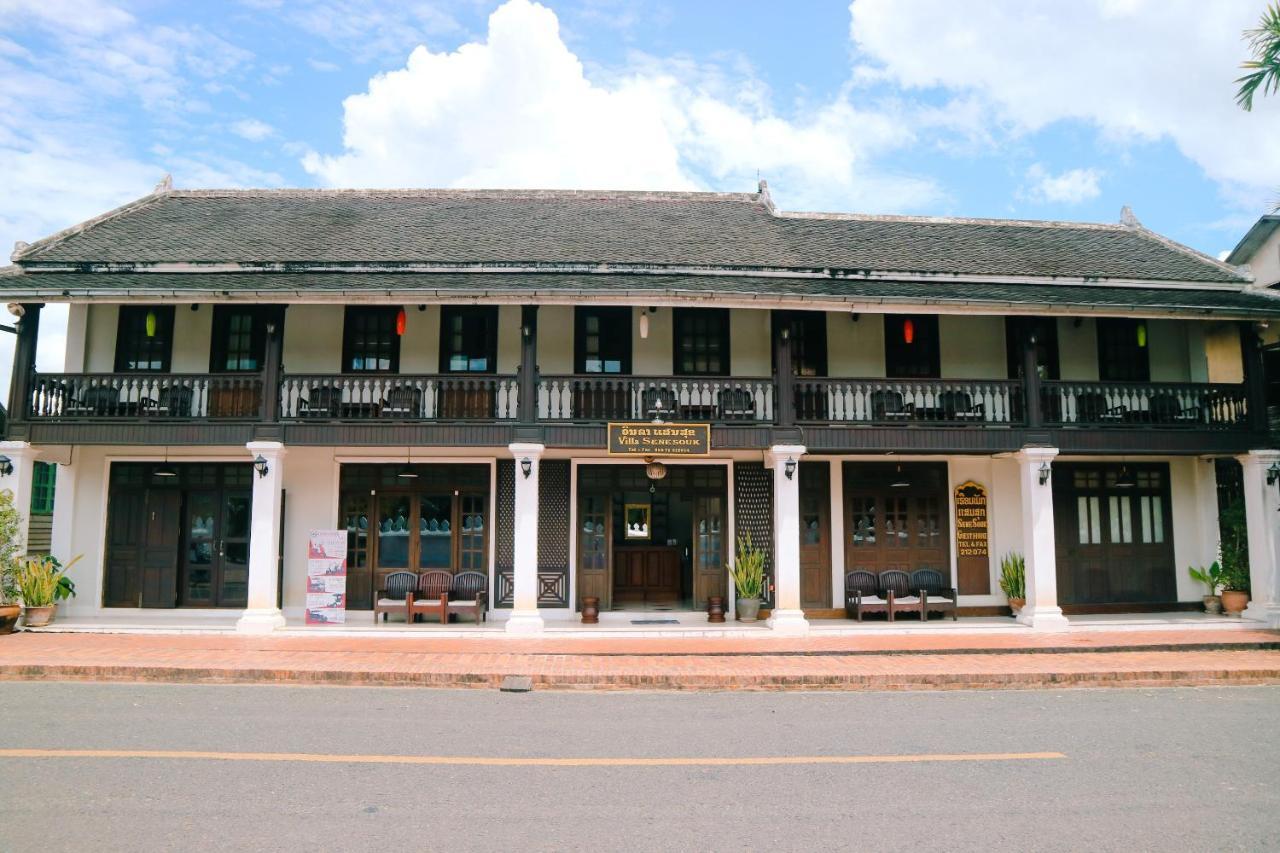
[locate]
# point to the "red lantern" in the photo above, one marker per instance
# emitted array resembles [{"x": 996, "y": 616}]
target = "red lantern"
[
  {"x": 400, "y": 322},
  {"x": 908, "y": 331}
]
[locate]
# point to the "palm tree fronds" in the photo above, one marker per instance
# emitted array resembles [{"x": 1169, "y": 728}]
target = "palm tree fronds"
[{"x": 1264, "y": 68}]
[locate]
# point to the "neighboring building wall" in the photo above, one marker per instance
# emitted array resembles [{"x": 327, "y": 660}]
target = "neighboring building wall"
[
  {"x": 1222, "y": 352},
  {"x": 1265, "y": 263}
]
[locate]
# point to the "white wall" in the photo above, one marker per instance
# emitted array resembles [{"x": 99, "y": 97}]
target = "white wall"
[
  {"x": 192, "y": 335},
  {"x": 313, "y": 338},
  {"x": 972, "y": 347},
  {"x": 101, "y": 338},
  {"x": 1078, "y": 349},
  {"x": 855, "y": 349}
]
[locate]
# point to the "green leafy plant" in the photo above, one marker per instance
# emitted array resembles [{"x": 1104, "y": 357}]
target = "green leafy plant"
[
  {"x": 1233, "y": 547},
  {"x": 1210, "y": 576},
  {"x": 1013, "y": 575},
  {"x": 40, "y": 581},
  {"x": 1263, "y": 70},
  {"x": 748, "y": 569},
  {"x": 11, "y": 547}
]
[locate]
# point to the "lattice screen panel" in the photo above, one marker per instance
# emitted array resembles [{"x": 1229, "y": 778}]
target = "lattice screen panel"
[
  {"x": 753, "y": 513},
  {"x": 553, "y": 533},
  {"x": 504, "y": 552}
]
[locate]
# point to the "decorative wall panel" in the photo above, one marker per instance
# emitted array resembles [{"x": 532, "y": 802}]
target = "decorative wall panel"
[{"x": 753, "y": 513}]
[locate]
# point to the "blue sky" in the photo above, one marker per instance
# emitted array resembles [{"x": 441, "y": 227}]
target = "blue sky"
[{"x": 1033, "y": 109}]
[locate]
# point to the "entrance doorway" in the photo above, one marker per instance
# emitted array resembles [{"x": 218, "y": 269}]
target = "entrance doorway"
[
  {"x": 180, "y": 540},
  {"x": 653, "y": 545},
  {"x": 896, "y": 517}
]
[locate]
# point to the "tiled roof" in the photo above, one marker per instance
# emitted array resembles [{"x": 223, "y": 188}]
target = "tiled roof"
[
  {"x": 548, "y": 228},
  {"x": 1235, "y": 303}
]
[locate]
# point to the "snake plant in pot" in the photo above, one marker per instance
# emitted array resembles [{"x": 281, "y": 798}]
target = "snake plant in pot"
[
  {"x": 10, "y": 548},
  {"x": 1013, "y": 580},
  {"x": 42, "y": 583},
  {"x": 748, "y": 578}
]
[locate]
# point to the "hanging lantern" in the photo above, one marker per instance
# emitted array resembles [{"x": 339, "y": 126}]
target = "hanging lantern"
[
  {"x": 401, "y": 321},
  {"x": 1142, "y": 335},
  {"x": 654, "y": 470},
  {"x": 908, "y": 331},
  {"x": 644, "y": 324},
  {"x": 151, "y": 324}
]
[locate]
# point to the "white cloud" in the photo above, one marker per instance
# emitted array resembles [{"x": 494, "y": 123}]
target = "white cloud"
[
  {"x": 1070, "y": 187},
  {"x": 323, "y": 65},
  {"x": 252, "y": 129},
  {"x": 1138, "y": 70},
  {"x": 518, "y": 110}
]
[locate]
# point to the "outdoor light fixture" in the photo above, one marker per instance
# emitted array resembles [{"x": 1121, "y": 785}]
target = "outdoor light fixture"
[
  {"x": 165, "y": 470},
  {"x": 644, "y": 322},
  {"x": 1045, "y": 472},
  {"x": 1273, "y": 473},
  {"x": 151, "y": 323},
  {"x": 654, "y": 470},
  {"x": 260, "y": 465},
  {"x": 16, "y": 309},
  {"x": 526, "y": 467},
  {"x": 1125, "y": 479},
  {"x": 407, "y": 472},
  {"x": 401, "y": 322},
  {"x": 855, "y": 316},
  {"x": 6, "y": 466},
  {"x": 908, "y": 331},
  {"x": 899, "y": 480},
  {"x": 789, "y": 469},
  {"x": 1142, "y": 335}
]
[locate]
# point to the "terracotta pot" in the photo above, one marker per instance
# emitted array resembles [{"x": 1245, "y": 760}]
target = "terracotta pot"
[
  {"x": 590, "y": 610},
  {"x": 1016, "y": 605},
  {"x": 1212, "y": 604},
  {"x": 1234, "y": 601},
  {"x": 748, "y": 609},
  {"x": 38, "y": 617},
  {"x": 9, "y": 617},
  {"x": 715, "y": 609}
]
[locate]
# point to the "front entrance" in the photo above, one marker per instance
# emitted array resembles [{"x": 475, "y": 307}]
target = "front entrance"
[
  {"x": 815, "y": 535},
  {"x": 655, "y": 545},
  {"x": 1113, "y": 527},
  {"x": 178, "y": 540},
  {"x": 896, "y": 517},
  {"x": 436, "y": 519}
]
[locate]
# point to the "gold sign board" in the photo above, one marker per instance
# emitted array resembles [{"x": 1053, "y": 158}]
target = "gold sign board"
[
  {"x": 972, "y": 554},
  {"x": 659, "y": 439}
]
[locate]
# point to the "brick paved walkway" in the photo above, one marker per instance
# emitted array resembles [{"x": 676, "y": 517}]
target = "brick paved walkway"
[{"x": 863, "y": 662}]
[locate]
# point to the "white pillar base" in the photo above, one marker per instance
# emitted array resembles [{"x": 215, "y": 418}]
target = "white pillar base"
[
  {"x": 1267, "y": 614},
  {"x": 260, "y": 621},
  {"x": 525, "y": 622},
  {"x": 1043, "y": 619},
  {"x": 788, "y": 623}
]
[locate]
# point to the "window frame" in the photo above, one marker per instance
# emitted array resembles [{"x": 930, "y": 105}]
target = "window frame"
[
  {"x": 383, "y": 313},
  {"x": 219, "y": 349},
  {"x": 44, "y": 480},
  {"x": 489, "y": 315},
  {"x": 614, "y": 334},
  {"x": 718, "y": 319},
  {"x": 808, "y": 341},
  {"x": 132, "y": 320},
  {"x": 1120, "y": 359},
  {"x": 926, "y": 346},
  {"x": 1046, "y": 328}
]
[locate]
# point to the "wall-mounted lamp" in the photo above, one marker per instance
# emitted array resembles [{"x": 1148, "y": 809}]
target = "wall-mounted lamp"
[
  {"x": 271, "y": 327},
  {"x": 789, "y": 469},
  {"x": 855, "y": 316},
  {"x": 16, "y": 309},
  {"x": 195, "y": 306},
  {"x": 260, "y": 465},
  {"x": 422, "y": 308},
  {"x": 1045, "y": 473},
  {"x": 6, "y": 466},
  {"x": 1273, "y": 473},
  {"x": 526, "y": 467}
]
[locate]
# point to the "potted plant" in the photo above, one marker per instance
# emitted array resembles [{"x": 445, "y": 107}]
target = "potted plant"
[
  {"x": 1233, "y": 556},
  {"x": 748, "y": 578},
  {"x": 1013, "y": 580},
  {"x": 1235, "y": 588},
  {"x": 10, "y": 548},
  {"x": 42, "y": 583},
  {"x": 1212, "y": 578}
]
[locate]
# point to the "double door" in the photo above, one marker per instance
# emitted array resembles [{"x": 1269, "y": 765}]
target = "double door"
[{"x": 896, "y": 517}]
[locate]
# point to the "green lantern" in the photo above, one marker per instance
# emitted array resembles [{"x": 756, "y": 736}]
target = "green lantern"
[
  {"x": 1142, "y": 335},
  {"x": 151, "y": 324}
]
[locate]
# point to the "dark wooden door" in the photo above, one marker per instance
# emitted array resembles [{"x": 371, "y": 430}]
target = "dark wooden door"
[
  {"x": 595, "y": 536},
  {"x": 895, "y": 517},
  {"x": 709, "y": 575},
  {"x": 125, "y": 512},
  {"x": 1114, "y": 543},
  {"x": 356, "y": 511},
  {"x": 646, "y": 575},
  {"x": 815, "y": 534},
  {"x": 161, "y": 535}
]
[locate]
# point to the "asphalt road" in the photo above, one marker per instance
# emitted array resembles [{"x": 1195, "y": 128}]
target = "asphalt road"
[{"x": 1169, "y": 769}]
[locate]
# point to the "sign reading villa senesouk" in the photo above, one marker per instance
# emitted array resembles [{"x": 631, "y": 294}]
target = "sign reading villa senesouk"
[{"x": 644, "y": 439}]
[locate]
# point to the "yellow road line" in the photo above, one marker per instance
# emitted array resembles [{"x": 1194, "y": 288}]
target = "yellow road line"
[{"x": 499, "y": 761}]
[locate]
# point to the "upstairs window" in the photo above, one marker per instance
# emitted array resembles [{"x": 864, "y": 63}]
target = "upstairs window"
[
  {"x": 469, "y": 340},
  {"x": 1044, "y": 330},
  {"x": 370, "y": 343},
  {"x": 1122, "y": 350},
  {"x": 911, "y": 346},
  {"x": 701, "y": 341},
  {"x": 239, "y": 339},
  {"x": 602, "y": 340},
  {"x": 808, "y": 336},
  {"x": 144, "y": 339}
]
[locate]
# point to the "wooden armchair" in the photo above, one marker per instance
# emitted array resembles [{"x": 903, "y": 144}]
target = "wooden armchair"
[
  {"x": 659, "y": 404},
  {"x": 402, "y": 403},
  {"x": 862, "y": 594},
  {"x": 321, "y": 402},
  {"x": 396, "y": 595},
  {"x": 175, "y": 401},
  {"x": 469, "y": 594},
  {"x": 895, "y": 588},
  {"x": 935, "y": 595},
  {"x": 1093, "y": 407},
  {"x": 889, "y": 406},
  {"x": 432, "y": 596},
  {"x": 959, "y": 406}
]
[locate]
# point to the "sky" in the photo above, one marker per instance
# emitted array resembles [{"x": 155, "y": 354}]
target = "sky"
[{"x": 1029, "y": 109}]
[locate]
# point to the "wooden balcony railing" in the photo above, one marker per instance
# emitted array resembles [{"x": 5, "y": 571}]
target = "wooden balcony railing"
[
  {"x": 892, "y": 402},
  {"x": 1185, "y": 405},
  {"x": 79, "y": 396},
  {"x": 434, "y": 397},
  {"x": 597, "y": 398}
]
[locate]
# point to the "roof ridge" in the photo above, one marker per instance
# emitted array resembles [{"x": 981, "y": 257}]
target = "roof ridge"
[
  {"x": 951, "y": 220},
  {"x": 25, "y": 252},
  {"x": 481, "y": 193}
]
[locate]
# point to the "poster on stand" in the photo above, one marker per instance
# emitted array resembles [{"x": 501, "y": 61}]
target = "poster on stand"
[{"x": 327, "y": 577}]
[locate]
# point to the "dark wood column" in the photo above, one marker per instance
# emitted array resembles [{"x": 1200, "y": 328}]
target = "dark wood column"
[
  {"x": 1031, "y": 381},
  {"x": 784, "y": 378},
  {"x": 527, "y": 407},
  {"x": 273, "y": 363},
  {"x": 1255, "y": 377},
  {"x": 24, "y": 362}
]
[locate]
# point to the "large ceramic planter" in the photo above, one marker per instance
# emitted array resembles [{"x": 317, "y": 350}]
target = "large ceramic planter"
[
  {"x": 9, "y": 617},
  {"x": 1234, "y": 601},
  {"x": 38, "y": 617},
  {"x": 748, "y": 609},
  {"x": 1212, "y": 604}
]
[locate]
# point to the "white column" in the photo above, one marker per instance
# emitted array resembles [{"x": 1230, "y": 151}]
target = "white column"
[
  {"x": 263, "y": 613},
  {"x": 1262, "y": 513},
  {"x": 525, "y": 618},
  {"x": 22, "y": 456},
  {"x": 1041, "y": 610},
  {"x": 786, "y": 617}
]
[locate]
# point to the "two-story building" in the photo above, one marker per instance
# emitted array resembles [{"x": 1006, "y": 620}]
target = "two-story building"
[{"x": 437, "y": 371}]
